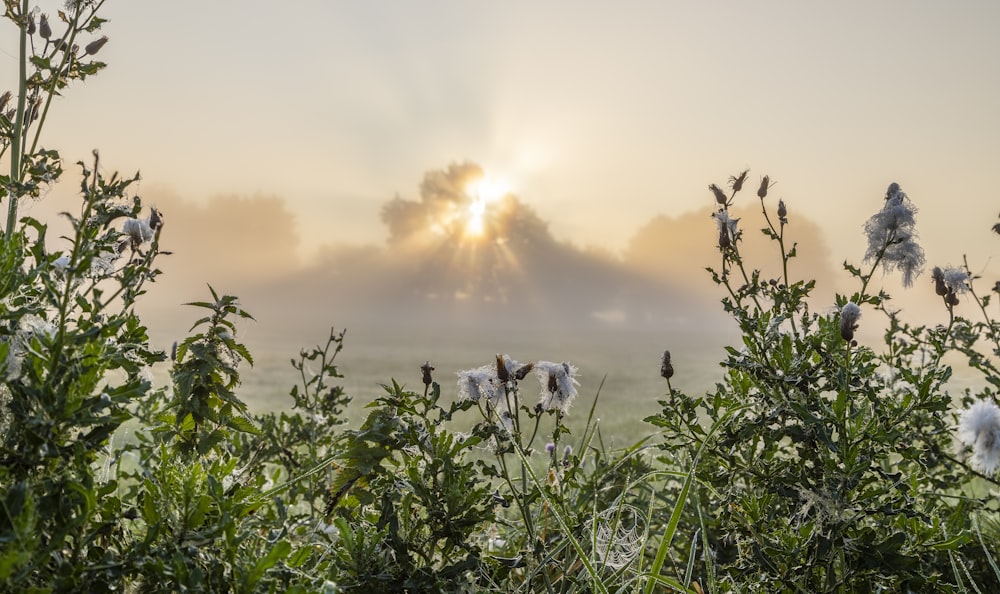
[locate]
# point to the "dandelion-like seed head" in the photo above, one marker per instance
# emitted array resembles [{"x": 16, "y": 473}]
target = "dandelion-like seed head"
[
  {"x": 478, "y": 384},
  {"x": 891, "y": 234},
  {"x": 849, "y": 316},
  {"x": 950, "y": 282},
  {"x": 558, "y": 381},
  {"x": 979, "y": 428},
  {"x": 728, "y": 228}
]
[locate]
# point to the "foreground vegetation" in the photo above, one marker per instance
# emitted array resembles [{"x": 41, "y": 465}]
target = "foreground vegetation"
[{"x": 817, "y": 464}]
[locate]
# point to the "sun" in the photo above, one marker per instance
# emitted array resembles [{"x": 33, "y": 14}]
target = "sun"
[{"x": 483, "y": 192}]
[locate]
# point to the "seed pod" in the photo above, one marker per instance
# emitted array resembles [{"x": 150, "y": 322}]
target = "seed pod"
[
  {"x": 939, "y": 287},
  {"x": 425, "y": 369},
  {"x": 765, "y": 183},
  {"x": 720, "y": 196},
  {"x": 95, "y": 46},
  {"x": 44, "y": 30},
  {"x": 849, "y": 316},
  {"x": 666, "y": 367},
  {"x": 736, "y": 181}
]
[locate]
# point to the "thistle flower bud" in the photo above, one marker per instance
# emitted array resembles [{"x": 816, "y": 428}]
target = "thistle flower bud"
[
  {"x": 155, "y": 219},
  {"x": 765, "y": 183},
  {"x": 996, "y": 287},
  {"x": 937, "y": 275},
  {"x": 782, "y": 211},
  {"x": 425, "y": 370},
  {"x": 44, "y": 30},
  {"x": 720, "y": 196},
  {"x": 502, "y": 374},
  {"x": 849, "y": 316},
  {"x": 31, "y": 24},
  {"x": 666, "y": 367},
  {"x": 4, "y": 100},
  {"x": 550, "y": 448},
  {"x": 736, "y": 181},
  {"x": 95, "y": 46},
  {"x": 567, "y": 452},
  {"x": 892, "y": 190}
]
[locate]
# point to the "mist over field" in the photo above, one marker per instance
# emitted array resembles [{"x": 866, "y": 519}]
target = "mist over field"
[
  {"x": 456, "y": 283},
  {"x": 462, "y": 276}
]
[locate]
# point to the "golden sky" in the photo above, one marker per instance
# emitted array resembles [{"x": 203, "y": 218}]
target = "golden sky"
[{"x": 598, "y": 115}]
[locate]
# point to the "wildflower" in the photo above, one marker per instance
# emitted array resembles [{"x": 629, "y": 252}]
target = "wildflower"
[
  {"x": 567, "y": 452},
  {"x": 979, "y": 428},
  {"x": 765, "y": 184},
  {"x": 666, "y": 368},
  {"x": 138, "y": 231},
  {"x": 478, "y": 384},
  {"x": 720, "y": 196},
  {"x": 849, "y": 316},
  {"x": 558, "y": 385},
  {"x": 44, "y": 30},
  {"x": 727, "y": 225},
  {"x": 892, "y": 236},
  {"x": 782, "y": 212},
  {"x": 949, "y": 283},
  {"x": 61, "y": 263},
  {"x": 4, "y": 99},
  {"x": 95, "y": 46},
  {"x": 550, "y": 448},
  {"x": 426, "y": 370},
  {"x": 736, "y": 181}
]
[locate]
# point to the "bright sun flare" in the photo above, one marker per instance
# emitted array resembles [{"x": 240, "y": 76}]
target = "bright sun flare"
[{"x": 483, "y": 192}]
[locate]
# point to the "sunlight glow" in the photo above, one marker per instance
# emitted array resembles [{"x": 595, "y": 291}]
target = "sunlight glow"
[{"x": 483, "y": 192}]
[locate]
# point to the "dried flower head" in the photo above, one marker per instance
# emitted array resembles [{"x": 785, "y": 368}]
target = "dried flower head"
[
  {"x": 558, "y": 381},
  {"x": 782, "y": 212},
  {"x": 892, "y": 236},
  {"x": 44, "y": 30},
  {"x": 728, "y": 230},
  {"x": 720, "y": 196},
  {"x": 666, "y": 368},
  {"x": 949, "y": 283},
  {"x": 480, "y": 384},
  {"x": 765, "y": 185},
  {"x": 425, "y": 371},
  {"x": 849, "y": 316},
  {"x": 736, "y": 181},
  {"x": 95, "y": 46},
  {"x": 979, "y": 428},
  {"x": 4, "y": 100}
]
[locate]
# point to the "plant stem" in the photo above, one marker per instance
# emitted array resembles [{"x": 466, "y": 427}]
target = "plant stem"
[{"x": 15, "y": 141}]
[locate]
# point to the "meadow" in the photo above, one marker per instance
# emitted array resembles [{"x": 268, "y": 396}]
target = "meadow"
[{"x": 810, "y": 448}]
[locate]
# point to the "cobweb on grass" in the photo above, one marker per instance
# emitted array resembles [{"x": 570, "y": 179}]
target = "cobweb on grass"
[{"x": 617, "y": 535}]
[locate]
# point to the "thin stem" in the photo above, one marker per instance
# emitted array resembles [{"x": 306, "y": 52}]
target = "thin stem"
[{"x": 16, "y": 145}]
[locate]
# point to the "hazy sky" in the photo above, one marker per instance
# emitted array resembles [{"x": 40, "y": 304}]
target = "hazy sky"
[{"x": 599, "y": 115}]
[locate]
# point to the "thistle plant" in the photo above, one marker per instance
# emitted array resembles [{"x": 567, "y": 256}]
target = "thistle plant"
[{"x": 834, "y": 469}]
